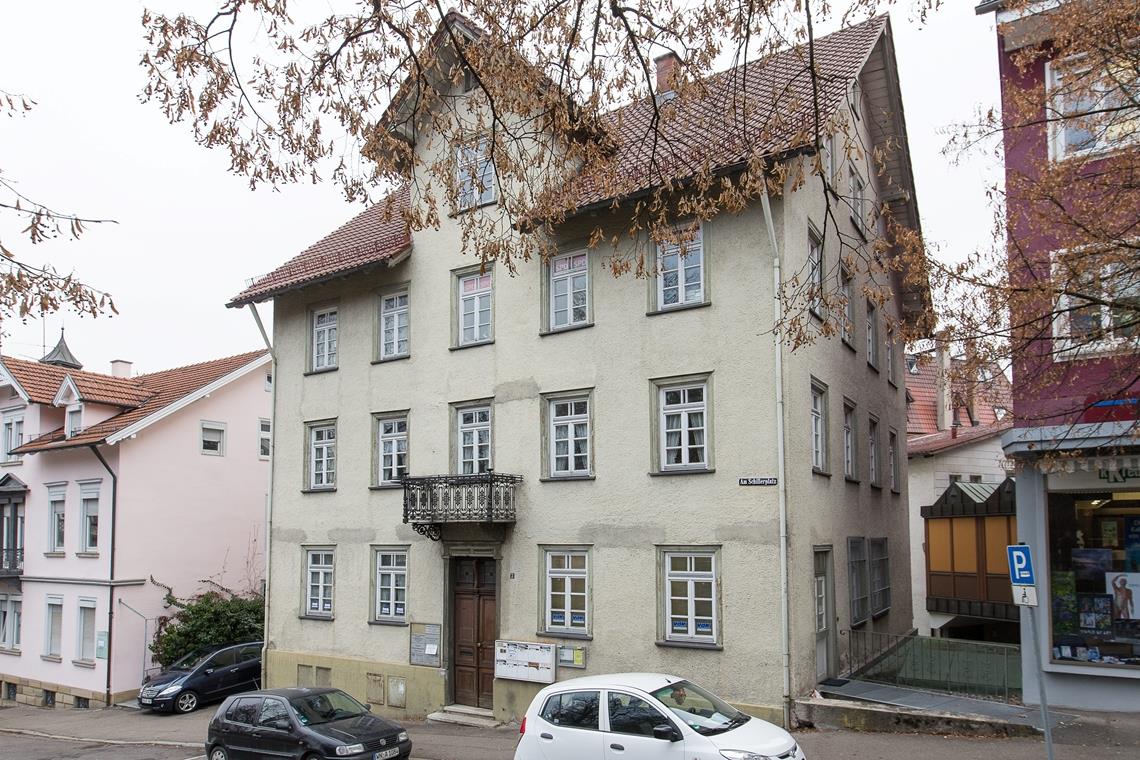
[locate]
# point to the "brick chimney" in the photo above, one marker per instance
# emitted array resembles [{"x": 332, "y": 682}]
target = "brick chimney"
[
  {"x": 668, "y": 69},
  {"x": 120, "y": 368},
  {"x": 944, "y": 396},
  {"x": 974, "y": 376}
]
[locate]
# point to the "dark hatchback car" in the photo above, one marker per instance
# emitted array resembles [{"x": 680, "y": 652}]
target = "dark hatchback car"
[
  {"x": 203, "y": 676},
  {"x": 306, "y": 723}
]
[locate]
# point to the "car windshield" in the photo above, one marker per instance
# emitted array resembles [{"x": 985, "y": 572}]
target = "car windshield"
[
  {"x": 314, "y": 709},
  {"x": 191, "y": 660},
  {"x": 701, "y": 711}
]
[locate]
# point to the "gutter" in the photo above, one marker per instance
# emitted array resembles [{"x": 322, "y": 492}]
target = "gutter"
[
  {"x": 782, "y": 481},
  {"x": 268, "y": 496},
  {"x": 111, "y": 573}
]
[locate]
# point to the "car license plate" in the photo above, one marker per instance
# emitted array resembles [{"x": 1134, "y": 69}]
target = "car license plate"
[
  {"x": 384, "y": 754},
  {"x": 145, "y": 700}
]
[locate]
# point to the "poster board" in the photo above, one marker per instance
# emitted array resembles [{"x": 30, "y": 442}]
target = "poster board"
[
  {"x": 425, "y": 644},
  {"x": 524, "y": 661}
]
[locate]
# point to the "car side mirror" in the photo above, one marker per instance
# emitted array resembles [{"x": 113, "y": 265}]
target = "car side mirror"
[
  {"x": 281, "y": 724},
  {"x": 368, "y": 706},
  {"x": 666, "y": 732},
  {"x": 208, "y": 671}
]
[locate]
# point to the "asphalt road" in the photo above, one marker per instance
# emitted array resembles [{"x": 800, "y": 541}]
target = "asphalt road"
[{"x": 14, "y": 747}]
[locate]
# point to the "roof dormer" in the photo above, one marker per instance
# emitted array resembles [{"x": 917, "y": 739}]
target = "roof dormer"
[{"x": 68, "y": 393}]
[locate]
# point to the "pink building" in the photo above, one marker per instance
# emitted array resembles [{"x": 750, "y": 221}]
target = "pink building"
[
  {"x": 1076, "y": 378},
  {"x": 113, "y": 487}
]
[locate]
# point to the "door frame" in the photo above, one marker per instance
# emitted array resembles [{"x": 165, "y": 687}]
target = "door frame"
[
  {"x": 463, "y": 550},
  {"x": 833, "y": 616}
]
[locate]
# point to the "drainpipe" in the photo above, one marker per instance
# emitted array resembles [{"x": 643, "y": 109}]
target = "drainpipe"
[
  {"x": 268, "y": 495},
  {"x": 111, "y": 573},
  {"x": 781, "y": 483}
]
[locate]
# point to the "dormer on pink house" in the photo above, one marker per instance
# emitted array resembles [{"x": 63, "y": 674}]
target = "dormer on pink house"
[
  {"x": 106, "y": 482},
  {"x": 1076, "y": 381}
]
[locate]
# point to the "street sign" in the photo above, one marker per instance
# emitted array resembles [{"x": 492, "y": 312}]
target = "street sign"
[
  {"x": 758, "y": 481},
  {"x": 1020, "y": 565},
  {"x": 1025, "y": 596}
]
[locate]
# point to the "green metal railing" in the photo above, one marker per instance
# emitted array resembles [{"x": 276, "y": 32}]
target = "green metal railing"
[{"x": 977, "y": 669}]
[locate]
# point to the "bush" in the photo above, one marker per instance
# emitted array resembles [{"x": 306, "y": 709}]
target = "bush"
[{"x": 208, "y": 619}]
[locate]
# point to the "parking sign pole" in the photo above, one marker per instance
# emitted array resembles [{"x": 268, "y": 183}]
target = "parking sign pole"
[
  {"x": 1024, "y": 583},
  {"x": 1041, "y": 685}
]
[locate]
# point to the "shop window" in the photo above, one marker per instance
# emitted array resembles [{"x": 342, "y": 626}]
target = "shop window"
[{"x": 1094, "y": 576}]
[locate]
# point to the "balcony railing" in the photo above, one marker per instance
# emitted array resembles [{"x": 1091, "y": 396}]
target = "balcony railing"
[
  {"x": 11, "y": 561},
  {"x": 433, "y": 501}
]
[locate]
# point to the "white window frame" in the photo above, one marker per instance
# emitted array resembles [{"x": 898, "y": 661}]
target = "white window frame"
[
  {"x": 565, "y": 428},
  {"x": 475, "y": 179},
  {"x": 391, "y": 448},
  {"x": 394, "y": 317},
  {"x": 857, "y": 187},
  {"x": 57, "y": 531},
  {"x": 872, "y": 328},
  {"x": 683, "y": 409},
  {"x": 321, "y": 450},
  {"x": 850, "y": 441},
  {"x": 1066, "y": 346},
  {"x": 574, "y": 618},
  {"x": 879, "y": 572},
  {"x": 575, "y": 271},
  {"x": 269, "y": 381},
  {"x": 13, "y": 435},
  {"x": 858, "y": 580},
  {"x": 1059, "y": 119},
  {"x": 815, "y": 272},
  {"x": 468, "y": 421},
  {"x": 12, "y": 607},
  {"x": 83, "y": 645},
  {"x": 324, "y": 338},
  {"x": 321, "y": 576},
  {"x": 217, "y": 427},
  {"x": 88, "y": 509},
  {"x": 73, "y": 421},
  {"x": 818, "y": 429},
  {"x": 686, "y": 253},
  {"x": 481, "y": 300},
  {"x": 847, "y": 329},
  {"x": 893, "y": 460},
  {"x": 264, "y": 438},
  {"x": 691, "y": 577},
  {"x": 50, "y": 603},
  {"x": 396, "y": 584},
  {"x": 889, "y": 355},
  {"x": 874, "y": 466}
]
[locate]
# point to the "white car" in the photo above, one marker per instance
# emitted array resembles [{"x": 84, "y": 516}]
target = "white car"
[{"x": 644, "y": 716}]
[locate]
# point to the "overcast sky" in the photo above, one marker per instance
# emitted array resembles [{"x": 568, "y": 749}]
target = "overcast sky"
[{"x": 189, "y": 233}]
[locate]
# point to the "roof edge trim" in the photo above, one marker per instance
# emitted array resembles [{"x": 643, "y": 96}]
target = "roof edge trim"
[{"x": 392, "y": 260}]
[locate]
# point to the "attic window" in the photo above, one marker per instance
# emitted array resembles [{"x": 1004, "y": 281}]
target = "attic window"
[
  {"x": 911, "y": 364},
  {"x": 74, "y": 421},
  {"x": 1000, "y": 412}
]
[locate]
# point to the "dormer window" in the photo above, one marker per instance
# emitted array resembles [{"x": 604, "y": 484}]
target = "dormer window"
[
  {"x": 474, "y": 174},
  {"x": 74, "y": 421}
]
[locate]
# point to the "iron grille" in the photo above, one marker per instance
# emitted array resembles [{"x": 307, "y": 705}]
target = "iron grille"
[
  {"x": 431, "y": 501},
  {"x": 11, "y": 561}
]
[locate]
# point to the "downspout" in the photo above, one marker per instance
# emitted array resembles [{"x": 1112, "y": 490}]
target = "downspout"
[
  {"x": 111, "y": 573},
  {"x": 268, "y": 495},
  {"x": 781, "y": 483}
]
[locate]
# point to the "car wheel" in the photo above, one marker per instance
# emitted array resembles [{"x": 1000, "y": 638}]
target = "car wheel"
[
  {"x": 186, "y": 702},
  {"x": 219, "y": 753}
]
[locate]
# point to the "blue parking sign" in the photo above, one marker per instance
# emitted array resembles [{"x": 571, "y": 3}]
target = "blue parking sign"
[{"x": 1020, "y": 565}]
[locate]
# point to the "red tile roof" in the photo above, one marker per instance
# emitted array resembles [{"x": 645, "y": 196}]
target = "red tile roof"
[
  {"x": 771, "y": 97},
  {"x": 922, "y": 411},
  {"x": 377, "y": 234},
  {"x": 161, "y": 389},
  {"x": 944, "y": 440},
  {"x": 41, "y": 382}
]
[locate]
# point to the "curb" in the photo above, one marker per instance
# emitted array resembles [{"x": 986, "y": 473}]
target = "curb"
[
  {"x": 123, "y": 742},
  {"x": 852, "y": 716}
]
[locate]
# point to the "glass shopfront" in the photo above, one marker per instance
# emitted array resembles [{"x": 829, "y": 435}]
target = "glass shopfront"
[{"x": 1094, "y": 574}]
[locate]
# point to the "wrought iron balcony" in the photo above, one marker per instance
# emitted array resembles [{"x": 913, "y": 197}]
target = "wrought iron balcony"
[
  {"x": 433, "y": 501},
  {"x": 11, "y": 561}
]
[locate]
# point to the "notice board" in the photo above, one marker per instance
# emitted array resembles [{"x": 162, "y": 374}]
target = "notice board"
[
  {"x": 425, "y": 644},
  {"x": 524, "y": 661}
]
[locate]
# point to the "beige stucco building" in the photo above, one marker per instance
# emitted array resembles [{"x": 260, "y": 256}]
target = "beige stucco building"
[{"x": 640, "y": 485}]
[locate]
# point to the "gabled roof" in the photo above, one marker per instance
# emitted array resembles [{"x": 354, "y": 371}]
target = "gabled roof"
[
  {"x": 922, "y": 411},
  {"x": 951, "y": 438},
  {"x": 377, "y": 234},
  {"x": 165, "y": 391},
  {"x": 41, "y": 382},
  {"x": 974, "y": 499}
]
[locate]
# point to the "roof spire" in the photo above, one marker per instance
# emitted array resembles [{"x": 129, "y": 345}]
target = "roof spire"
[{"x": 61, "y": 355}]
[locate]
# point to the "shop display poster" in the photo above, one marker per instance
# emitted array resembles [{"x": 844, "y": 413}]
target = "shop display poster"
[
  {"x": 1095, "y": 614},
  {"x": 1091, "y": 564},
  {"x": 1125, "y": 591},
  {"x": 1064, "y": 587},
  {"x": 1132, "y": 544}
]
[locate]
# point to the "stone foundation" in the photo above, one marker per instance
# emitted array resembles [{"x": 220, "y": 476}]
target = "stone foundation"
[{"x": 30, "y": 692}]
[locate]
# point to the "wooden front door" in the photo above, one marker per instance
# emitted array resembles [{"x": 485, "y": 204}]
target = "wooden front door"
[{"x": 474, "y": 629}]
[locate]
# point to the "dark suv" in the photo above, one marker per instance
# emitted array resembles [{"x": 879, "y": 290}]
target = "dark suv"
[{"x": 203, "y": 676}]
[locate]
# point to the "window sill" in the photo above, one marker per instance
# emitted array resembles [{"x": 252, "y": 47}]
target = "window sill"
[
  {"x": 860, "y": 229},
  {"x": 51, "y": 658},
  {"x": 55, "y": 555},
  {"x": 853, "y": 481},
  {"x": 564, "y": 635},
  {"x": 87, "y": 555},
  {"x": 321, "y": 371},
  {"x": 880, "y": 613},
  {"x": 849, "y": 345},
  {"x": 460, "y": 212},
  {"x": 476, "y": 344},
  {"x": 873, "y": 366},
  {"x": 568, "y": 328},
  {"x": 822, "y": 473},
  {"x": 815, "y": 313},
  {"x": 892, "y": 383},
  {"x": 319, "y": 490},
  {"x": 390, "y": 623},
  {"x": 691, "y": 471},
  {"x": 559, "y": 478},
  {"x": 10, "y": 652},
  {"x": 322, "y": 618},
  {"x": 896, "y": 492},
  {"x": 390, "y": 359},
  {"x": 690, "y": 645},
  {"x": 89, "y": 664},
  {"x": 386, "y": 487},
  {"x": 877, "y": 486},
  {"x": 682, "y": 307},
  {"x": 12, "y": 463}
]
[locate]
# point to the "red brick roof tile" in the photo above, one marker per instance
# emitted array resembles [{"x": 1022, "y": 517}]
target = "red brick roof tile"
[
  {"x": 161, "y": 388},
  {"x": 922, "y": 411},
  {"x": 41, "y": 382}
]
